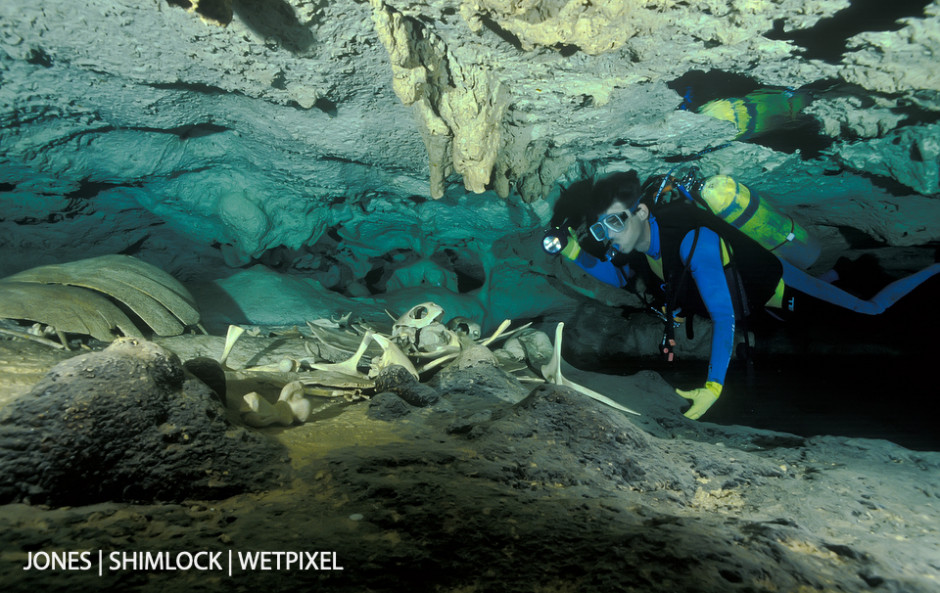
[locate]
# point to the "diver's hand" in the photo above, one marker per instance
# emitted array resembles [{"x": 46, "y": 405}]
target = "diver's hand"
[
  {"x": 572, "y": 249},
  {"x": 556, "y": 241},
  {"x": 701, "y": 398}
]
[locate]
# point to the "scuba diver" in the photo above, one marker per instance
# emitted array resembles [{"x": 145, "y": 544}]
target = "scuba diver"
[
  {"x": 720, "y": 251},
  {"x": 761, "y": 111}
]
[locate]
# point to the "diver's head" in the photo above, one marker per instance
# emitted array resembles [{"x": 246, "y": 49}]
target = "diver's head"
[
  {"x": 621, "y": 216},
  {"x": 626, "y": 227}
]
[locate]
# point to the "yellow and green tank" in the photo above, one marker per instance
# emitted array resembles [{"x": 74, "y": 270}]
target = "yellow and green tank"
[{"x": 754, "y": 216}]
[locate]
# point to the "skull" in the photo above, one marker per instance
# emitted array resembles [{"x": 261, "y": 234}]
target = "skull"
[
  {"x": 538, "y": 347},
  {"x": 436, "y": 339},
  {"x": 465, "y": 327},
  {"x": 405, "y": 329}
]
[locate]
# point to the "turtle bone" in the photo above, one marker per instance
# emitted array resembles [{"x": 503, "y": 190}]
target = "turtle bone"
[
  {"x": 260, "y": 412},
  {"x": 293, "y": 394},
  {"x": 405, "y": 329},
  {"x": 391, "y": 354},
  {"x": 234, "y": 332},
  {"x": 285, "y": 365},
  {"x": 32, "y": 338},
  {"x": 439, "y": 361},
  {"x": 349, "y": 366},
  {"x": 499, "y": 331},
  {"x": 434, "y": 340},
  {"x": 552, "y": 374},
  {"x": 463, "y": 326}
]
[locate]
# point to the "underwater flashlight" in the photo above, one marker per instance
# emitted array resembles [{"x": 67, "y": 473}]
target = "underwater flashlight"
[{"x": 554, "y": 240}]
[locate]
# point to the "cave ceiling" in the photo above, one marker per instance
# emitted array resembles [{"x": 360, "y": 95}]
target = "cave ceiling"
[{"x": 394, "y": 145}]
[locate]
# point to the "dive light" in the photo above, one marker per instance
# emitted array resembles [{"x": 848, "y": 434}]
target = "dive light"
[{"x": 554, "y": 241}]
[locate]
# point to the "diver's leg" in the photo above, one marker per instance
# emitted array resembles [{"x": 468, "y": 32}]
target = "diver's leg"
[
  {"x": 803, "y": 282},
  {"x": 893, "y": 292}
]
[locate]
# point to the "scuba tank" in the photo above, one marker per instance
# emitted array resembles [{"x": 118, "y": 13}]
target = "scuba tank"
[{"x": 746, "y": 211}]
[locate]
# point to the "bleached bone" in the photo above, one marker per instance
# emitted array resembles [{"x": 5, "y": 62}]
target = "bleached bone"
[
  {"x": 405, "y": 329},
  {"x": 293, "y": 394},
  {"x": 442, "y": 342},
  {"x": 417, "y": 317},
  {"x": 552, "y": 374},
  {"x": 499, "y": 331},
  {"x": 261, "y": 413},
  {"x": 439, "y": 361},
  {"x": 463, "y": 326},
  {"x": 234, "y": 332},
  {"x": 285, "y": 365},
  {"x": 346, "y": 340},
  {"x": 32, "y": 338},
  {"x": 391, "y": 354},
  {"x": 350, "y": 366}
]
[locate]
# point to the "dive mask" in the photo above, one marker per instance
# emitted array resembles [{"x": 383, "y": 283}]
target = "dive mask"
[{"x": 608, "y": 223}]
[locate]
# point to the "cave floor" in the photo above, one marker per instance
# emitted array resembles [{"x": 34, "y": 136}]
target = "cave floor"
[{"x": 403, "y": 504}]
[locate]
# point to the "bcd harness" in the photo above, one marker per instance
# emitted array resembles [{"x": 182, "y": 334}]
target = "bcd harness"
[{"x": 752, "y": 273}]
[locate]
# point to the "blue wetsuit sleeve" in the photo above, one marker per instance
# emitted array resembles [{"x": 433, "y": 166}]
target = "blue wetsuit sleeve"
[
  {"x": 709, "y": 274},
  {"x": 604, "y": 271}
]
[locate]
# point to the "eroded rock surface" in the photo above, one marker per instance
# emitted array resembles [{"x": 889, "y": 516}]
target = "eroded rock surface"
[{"x": 128, "y": 424}]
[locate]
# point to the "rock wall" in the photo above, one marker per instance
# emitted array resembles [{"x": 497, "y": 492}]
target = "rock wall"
[{"x": 210, "y": 136}]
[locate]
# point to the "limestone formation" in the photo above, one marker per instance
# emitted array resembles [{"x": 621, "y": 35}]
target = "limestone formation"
[
  {"x": 300, "y": 137},
  {"x": 458, "y": 106}
]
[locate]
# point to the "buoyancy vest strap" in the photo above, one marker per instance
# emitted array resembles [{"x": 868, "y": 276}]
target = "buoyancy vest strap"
[
  {"x": 656, "y": 265},
  {"x": 776, "y": 299},
  {"x": 672, "y": 296},
  {"x": 725, "y": 254},
  {"x": 674, "y": 291},
  {"x": 737, "y": 284}
]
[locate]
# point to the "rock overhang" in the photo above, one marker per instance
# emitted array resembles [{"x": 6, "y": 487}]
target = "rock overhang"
[{"x": 267, "y": 134}]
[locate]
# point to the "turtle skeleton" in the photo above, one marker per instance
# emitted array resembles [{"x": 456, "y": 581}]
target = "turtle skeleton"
[
  {"x": 90, "y": 296},
  {"x": 402, "y": 347}
]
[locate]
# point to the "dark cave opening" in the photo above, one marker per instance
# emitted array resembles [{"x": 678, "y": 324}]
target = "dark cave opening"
[
  {"x": 698, "y": 87},
  {"x": 467, "y": 267},
  {"x": 326, "y": 106},
  {"x": 89, "y": 189},
  {"x": 216, "y": 10},
  {"x": 39, "y": 57},
  {"x": 500, "y": 32},
  {"x": 198, "y": 130},
  {"x": 827, "y": 40},
  {"x": 839, "y": 373}
]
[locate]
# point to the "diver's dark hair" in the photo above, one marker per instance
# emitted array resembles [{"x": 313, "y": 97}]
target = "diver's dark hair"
[
  {"x": 582, "y": 203},
  {"x": 621, "y": 187}
]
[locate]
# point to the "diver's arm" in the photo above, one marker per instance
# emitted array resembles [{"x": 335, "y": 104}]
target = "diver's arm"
[
  {"x": 605, "y": 271},
  {"x": 707, "y": 270}
]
